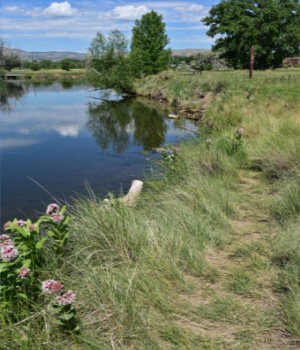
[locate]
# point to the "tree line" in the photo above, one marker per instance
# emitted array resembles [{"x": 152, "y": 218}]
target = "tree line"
[{"x": 271, "y": 26}]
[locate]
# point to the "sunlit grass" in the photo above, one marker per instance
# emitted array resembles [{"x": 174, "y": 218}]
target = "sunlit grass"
[{"x": 130, "y": 265}]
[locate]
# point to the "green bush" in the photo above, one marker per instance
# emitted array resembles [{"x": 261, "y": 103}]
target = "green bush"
[{"x": 35, "y": 66}]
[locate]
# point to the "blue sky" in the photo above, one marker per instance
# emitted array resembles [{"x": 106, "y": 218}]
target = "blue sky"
[{"x": 35, "y": 25}]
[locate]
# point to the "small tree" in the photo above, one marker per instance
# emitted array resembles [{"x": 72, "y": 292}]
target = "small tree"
[
  {"x": 35, "y": 66},
  {"x": 149, "y": 41},
  {"x": 66, "y": 64},
  {"x": 46, "y": 64},
  {"x": 107, "y": 62},
  {"x": 8, "y": 58}
]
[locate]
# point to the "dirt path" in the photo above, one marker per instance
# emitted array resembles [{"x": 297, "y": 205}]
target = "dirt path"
[{"x": 236, "y": 306}]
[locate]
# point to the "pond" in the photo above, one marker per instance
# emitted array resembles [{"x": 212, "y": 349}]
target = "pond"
[{"x": 56, "y": 137}]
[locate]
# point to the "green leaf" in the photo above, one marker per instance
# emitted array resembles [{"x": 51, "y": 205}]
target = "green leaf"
[
  {"x": 55, "y": 308},
  {"x": 22, "y": 231},
  {"x": 63, "y": 209},
  {"x": 65, "y": 238},
  {"x": 21, "y": 295},
  {"x": 26, "y": 263},
  {"x": 67, "y": 317},
  {"x": 40, "y": 243},
  {"x": 3, "y": 269},
  {"x": 57, "y": 321}
]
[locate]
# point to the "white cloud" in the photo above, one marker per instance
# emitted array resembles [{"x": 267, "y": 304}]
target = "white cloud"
[
  {"x": 13, "y": 9},
  {"x": 191, "y": 8},
  {"x": 128, "y": 12},
  {"x": 60, "y": 9}
]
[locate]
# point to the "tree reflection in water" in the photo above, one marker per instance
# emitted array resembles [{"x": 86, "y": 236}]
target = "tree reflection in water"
[
  {"x": 115, "y": 123},
  {"x": 9, "y": 94}
]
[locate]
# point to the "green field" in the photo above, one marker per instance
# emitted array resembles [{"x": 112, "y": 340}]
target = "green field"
[
  {"x": 209, "y": 257},
  {"x": 50, "y": 73}
]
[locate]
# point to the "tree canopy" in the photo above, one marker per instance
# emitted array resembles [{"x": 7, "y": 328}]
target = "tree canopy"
[
  {"x": 272, "y": 26},
  {"x": 108, "y": 63},
  {"x": 148, "y": 43},
  {"x": 8, "y": 58},
  {"x": 66, "y": 64}
]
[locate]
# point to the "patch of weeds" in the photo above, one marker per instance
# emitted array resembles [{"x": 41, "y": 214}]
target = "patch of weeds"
[{"x": 242, "y": 282}]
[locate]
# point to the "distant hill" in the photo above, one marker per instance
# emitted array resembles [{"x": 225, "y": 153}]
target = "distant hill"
[
  {"x": 189, "y": 52},
  {"x": 60, "y": 55},
  {"x": 51, "y": 55}
]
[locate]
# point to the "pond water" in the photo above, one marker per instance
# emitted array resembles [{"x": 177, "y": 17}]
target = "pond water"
[{"x": 61, "y": 135}]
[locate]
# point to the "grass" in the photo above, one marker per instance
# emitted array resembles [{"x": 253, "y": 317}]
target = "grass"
[
  {"x": 51, "y": 73},
  {"x": 208, "y": 258}
]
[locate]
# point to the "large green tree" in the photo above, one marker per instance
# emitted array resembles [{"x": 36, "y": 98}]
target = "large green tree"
[
  {"x": 148, "y": 43},
  {"x": 108, "y": 62},
  {"x": 272, "y": 26}
]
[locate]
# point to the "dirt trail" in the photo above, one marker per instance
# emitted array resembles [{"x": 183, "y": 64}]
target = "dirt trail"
[{"x": 238, "y": 308}]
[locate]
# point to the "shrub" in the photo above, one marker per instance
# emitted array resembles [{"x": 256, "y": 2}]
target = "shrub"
[{"x": 35, "y": 66}]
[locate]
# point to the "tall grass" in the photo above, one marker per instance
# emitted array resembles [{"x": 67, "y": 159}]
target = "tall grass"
[{"x": 128, "y": 265}]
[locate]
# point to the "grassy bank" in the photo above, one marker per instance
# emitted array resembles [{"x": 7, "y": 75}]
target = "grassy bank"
[
  {"x": 50, "y": 73},
  {"x": 209, "y": 257}
]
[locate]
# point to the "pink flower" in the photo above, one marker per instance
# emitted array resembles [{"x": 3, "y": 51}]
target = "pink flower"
[
  {"x": 7, "y": 242},
  {"x": 4, "y": 237},
  {"x": 31, "y": 227},
  {"x": 23, "y": 272},
  {"x": 240, "y": 131},
  {"x": 159, "y": 150},
  {"x": 67, "y": 298},
  {"x": 176, "y": 150},
  {"x": 5, "y": 226},
  {"x": 8, "y": 252},
  {"x": 57, "y": 217},
  {"x": 208, "y": 140},
  {"x": 50, "y": 286},
  {"x": 52, "y": 208},
  {"x": 21, "y": 223}
]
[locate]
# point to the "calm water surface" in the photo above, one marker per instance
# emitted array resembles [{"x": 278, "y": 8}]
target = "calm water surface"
[{"x": 62, "y": 135}]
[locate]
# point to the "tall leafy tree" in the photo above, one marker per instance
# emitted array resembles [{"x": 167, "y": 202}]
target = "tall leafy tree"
[
  {"x": 148, "y": 43},
  {"x": 108, "y": 62},
  {"x": 272, "y": 26}
]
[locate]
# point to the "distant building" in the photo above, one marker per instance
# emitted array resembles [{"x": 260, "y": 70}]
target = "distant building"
[{"x": 291, "y": 61}]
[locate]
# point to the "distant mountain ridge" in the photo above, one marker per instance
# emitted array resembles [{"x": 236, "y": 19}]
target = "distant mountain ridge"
[
  {"x": 51, "y": 55},
  {"x": 60, "y": 55}
]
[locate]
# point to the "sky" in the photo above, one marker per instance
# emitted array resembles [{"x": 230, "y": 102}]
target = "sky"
[{"x": 35, "y": 25}]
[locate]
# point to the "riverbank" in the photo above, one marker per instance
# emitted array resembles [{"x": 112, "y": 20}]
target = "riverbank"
[
  {"x": 208, "y": 258},
  {"x": 51, "y": 73}
]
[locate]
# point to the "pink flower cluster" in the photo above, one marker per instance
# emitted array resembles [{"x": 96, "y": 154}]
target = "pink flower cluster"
[
  {"x": 53, "y": 212},
  {"x": 31, "y": 227},
  {"x": 240, "y": 131},
  {"x": 8, "y": 249},
  {"x": 52, "y": 209},
  {"x": 23, "y": 272},
  {"x": 20, "y": 223},
  {"x": 208, "y": 140},
  {"x": 176, "y": 150},
  {"x": 66, "y": 298},
  {"x": 51, "y": 286}
]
